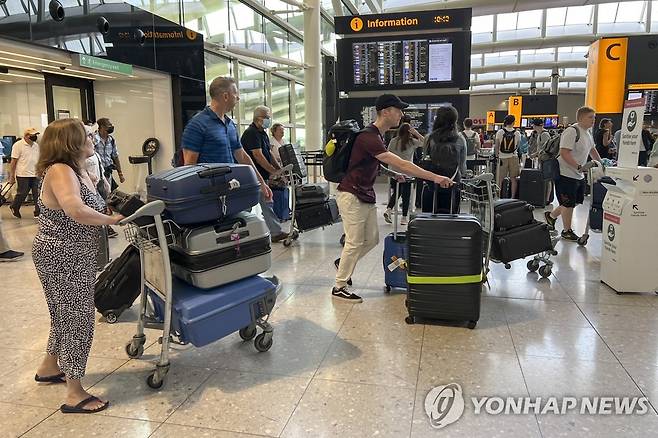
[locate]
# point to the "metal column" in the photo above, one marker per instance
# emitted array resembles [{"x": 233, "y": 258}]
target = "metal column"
[
  {"x": 555, "y": 80},
  {"x": 313, "y": 75}
]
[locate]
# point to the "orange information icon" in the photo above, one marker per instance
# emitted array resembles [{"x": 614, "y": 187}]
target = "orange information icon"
[
  {"x": 190, "y": 34},
  {"x": 356, "y": 24}
]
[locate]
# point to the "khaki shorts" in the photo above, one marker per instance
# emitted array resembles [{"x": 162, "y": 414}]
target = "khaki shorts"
[{"x": 510, "y": 166}]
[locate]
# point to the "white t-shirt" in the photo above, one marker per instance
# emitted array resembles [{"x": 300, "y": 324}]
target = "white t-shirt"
[
  {"x": 579, "y": 150},
  {"x": 274, "y": 148},
  {"x": 27, "y": 157},
  {"x": 499, "y": 139},
  {"x": 469, "y": 133}
]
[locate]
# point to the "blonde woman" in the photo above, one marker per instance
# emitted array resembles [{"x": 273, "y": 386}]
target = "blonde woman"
[{"x": 64, "y": 254}]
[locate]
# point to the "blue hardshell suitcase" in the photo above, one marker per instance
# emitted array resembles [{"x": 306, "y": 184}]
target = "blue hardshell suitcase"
[
  {"x": 204, "y": 192},
  {"x": 203, "y": 316},
  {"x": 281, "y": 201},
  {"x": 395, "y": 272}
]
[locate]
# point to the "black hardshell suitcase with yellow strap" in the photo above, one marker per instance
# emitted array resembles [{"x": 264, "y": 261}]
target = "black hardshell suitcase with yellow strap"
[{"x": 445, "y": 268}]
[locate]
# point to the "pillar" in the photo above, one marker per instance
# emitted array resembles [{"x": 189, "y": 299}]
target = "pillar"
[{"x": 313, "y": 75}]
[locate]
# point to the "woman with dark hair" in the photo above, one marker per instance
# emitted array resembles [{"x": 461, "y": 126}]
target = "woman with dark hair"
[
  {"x": 404, "y": 144},
  {"x": 444, "y": 154},
  {"x": 64, "y": 254},
  {"x": 603, "y": 139}
]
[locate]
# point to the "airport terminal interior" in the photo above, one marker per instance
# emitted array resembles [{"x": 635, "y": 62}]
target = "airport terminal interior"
[{"x": 252, "y": 269}]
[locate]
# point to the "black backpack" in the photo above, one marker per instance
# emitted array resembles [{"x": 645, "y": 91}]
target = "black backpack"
[
  {"x": 442, "y": 158},
  {"x": 338, "y": 150},
  {"x": 508, "y": 143},
  {"x": 551, "y": 149},
  {"x": 470, "y": 143}
]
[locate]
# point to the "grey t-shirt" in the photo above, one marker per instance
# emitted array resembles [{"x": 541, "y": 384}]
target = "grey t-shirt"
[{"x": 395, "y": 146}]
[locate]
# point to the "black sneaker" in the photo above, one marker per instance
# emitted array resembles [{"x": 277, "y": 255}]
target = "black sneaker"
[
  {"x": 570, "y": 235},
  {"x": 346, "y": 295},
  {"x": 337, "y": 264},
  {"x": 15, "y": 212},
  {"x": 550, "y": 220},
  {"x": 11, "y": 256}
]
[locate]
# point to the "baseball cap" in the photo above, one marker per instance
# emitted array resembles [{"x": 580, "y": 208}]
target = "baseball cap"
[
  {"x": 389, "y": 100},
  {"x": 31, "y": 131}
]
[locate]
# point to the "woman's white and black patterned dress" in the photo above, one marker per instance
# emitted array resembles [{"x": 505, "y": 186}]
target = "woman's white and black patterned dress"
[{"x": 64, "y": 253}]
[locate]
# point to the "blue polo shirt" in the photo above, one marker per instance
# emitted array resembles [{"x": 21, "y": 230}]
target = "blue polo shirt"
[{"x": 215, "y": 140}]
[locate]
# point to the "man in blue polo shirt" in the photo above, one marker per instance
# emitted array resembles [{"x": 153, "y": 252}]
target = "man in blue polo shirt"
[{"x": 212, "y": 137}]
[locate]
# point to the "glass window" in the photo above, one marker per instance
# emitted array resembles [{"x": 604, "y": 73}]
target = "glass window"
[
  {"x": 556, "y": 17},
  {"x": 476, "y": 60},
  {"x": 300, "y": 115},
  {"x": 579, "y": 15},
  {"x": 280, "y": 100},
  {"x": 529, "y": 19},
  {"x": 482, "y": 28},
  {"x": 507, "y": 21},
  {"x": 519, "y": 74},
  {"x": 543, "y": 73},
  {"x": 608, "y": 12},
  {"x": 217, "y": 66},
  {"x": 500, "y": 58},
  {"x": 490, "y": 76},
  {"x": 252, "y": 91}
]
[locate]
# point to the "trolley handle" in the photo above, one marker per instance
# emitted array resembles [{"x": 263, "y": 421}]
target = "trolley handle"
[
  {"x": 151, "y": 209},
  {"x": 486, "y": 177}
]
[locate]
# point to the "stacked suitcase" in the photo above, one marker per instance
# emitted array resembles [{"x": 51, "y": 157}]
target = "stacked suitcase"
[
  {"x": 516, "y": 232},
  {"x": 532, "y": 186},
  {"x": 314, "y": 208}
]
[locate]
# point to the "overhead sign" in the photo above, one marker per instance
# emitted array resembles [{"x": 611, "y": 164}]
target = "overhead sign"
[
  {"x": 105, "y": 65},
  {"x": 606, "y": 75},
  {"x": 404, "y": 21},
  {"x": 491, "y": 117},
  {"x": 631, "y": 133},
  {"x": 515, "y": 108}
]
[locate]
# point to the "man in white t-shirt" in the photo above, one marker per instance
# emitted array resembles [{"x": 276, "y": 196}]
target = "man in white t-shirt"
[
  {"x": 506, "y": 142},
  {"x": 473, "y": 143},
  {"x": 23, "y": 170},
  {"x": 576, "y": 144}
]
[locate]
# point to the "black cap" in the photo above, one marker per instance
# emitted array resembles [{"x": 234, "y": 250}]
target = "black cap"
[{"x": 389, "y": 100}]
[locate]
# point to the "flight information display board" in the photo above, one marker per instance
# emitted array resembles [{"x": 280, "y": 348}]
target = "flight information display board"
[{"x": 432, "y": 61}]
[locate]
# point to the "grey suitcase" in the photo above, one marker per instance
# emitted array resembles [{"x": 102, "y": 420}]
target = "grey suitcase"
[{"x": 212, "y": 255}]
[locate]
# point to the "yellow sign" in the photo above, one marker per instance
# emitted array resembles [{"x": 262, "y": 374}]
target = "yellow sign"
[
  {"x": 491, "y": 117},
  {"x": 606, "y": 75},
  {"x": 515, "y": 108},
  {"x": 379, "y": 23},
  {"x": 190, "y": 34},
  {"x": 643, "y": 86},
  {"x": 356, "y": 24}
]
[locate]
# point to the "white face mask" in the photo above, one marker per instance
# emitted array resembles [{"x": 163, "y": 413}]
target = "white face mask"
[{"x": 267, "y": 123}]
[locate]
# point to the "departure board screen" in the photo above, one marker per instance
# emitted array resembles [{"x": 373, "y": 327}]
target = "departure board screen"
[{"x": 437, "y": 61}]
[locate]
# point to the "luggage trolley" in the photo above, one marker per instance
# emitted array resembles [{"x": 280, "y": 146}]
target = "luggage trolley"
[{"x": 153, "y": 240}]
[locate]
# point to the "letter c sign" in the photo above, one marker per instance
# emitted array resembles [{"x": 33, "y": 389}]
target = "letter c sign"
[{"x": 608, "y": 52}]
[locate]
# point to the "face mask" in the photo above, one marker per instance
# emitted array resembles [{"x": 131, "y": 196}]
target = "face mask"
[
  {"x": 110, "y": 130},
  {"x": 34, "y": 137},
  {"x": 267, "y": 123}
]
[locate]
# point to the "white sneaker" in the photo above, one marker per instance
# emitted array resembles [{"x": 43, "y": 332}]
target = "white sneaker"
[
  {"x": 404, "y": 220},
  {"x": 387, "y": 216}
]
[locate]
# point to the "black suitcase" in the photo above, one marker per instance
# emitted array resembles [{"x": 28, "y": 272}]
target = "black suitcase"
[
  {"x": 103, "y": 254},
  {"x": 127, "y": 204},
  {"x": 596, "y": 218},
  {"x": 444, "y": 268},
  {"x": 599, "y": 191},
  {"x": 311, "y": 194},
  {"x": 532, "y": 187},
  {"x": 521, "y": 242},
  {"x": 319, "y": 215},
  {"x": 290, "y": 155},
  {"x": 511, "y": 213},
  {"x": 119, "y": 285}
]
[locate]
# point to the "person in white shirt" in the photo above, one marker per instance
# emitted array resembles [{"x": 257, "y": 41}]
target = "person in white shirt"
[
  {"x": 506, "y": 143},
  {"x": 576, "y": 144},
  {"x": 276, "y": 141},
  {"x": 473, "y": 143},
  {"x": 23, "y": 170}
]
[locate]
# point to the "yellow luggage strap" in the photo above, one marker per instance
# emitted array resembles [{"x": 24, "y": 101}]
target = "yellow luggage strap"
[{"x": 460, "y": 279}]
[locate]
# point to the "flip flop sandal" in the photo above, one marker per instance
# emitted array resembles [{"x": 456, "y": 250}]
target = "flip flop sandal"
[
  {"x": 59, "y": 378},
  {"x": 79, "y": 408}
]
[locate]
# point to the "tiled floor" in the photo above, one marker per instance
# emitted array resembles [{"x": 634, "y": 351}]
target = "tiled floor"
[{"x": 347, "y": 370}]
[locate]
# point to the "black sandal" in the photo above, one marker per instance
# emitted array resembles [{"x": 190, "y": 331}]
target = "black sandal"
[
  {"x": 79, "y": 409},
  {"x": 59, "y": 378}
]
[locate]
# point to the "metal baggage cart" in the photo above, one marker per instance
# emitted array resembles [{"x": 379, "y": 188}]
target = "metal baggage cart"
[{"x": 153, "y": 242}]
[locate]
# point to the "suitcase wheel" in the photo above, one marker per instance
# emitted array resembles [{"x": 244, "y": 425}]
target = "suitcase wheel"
[
  {"x": 263, "y": 342},
  {"x": 248, "y": 333},
  {"x": 410, "y": 320},
  {"x": 545, "y": 271},
  {"x": 533, "y": 265},
  {"x": 388, "y": 289},
  {"x": 111, "y": 317},
  {"x": 471, "y": 324}
]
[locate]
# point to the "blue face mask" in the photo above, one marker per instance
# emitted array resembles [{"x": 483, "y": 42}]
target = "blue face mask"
[{"x": 267, "y": 123}]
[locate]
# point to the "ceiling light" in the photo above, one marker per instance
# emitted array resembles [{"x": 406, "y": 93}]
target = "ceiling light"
[
  {"x": 20, "y": 67},
  {"x": 34, "y": 57},
  {"x": 64, "y": 73},
  {"x": 24, "y": 76},
  {"x": 90, "y": 73},
  {"x": 8, "y": 82},
  {"x": 27, "y": 62}
]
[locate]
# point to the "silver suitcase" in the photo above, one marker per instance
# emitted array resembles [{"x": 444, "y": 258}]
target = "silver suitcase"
[{"x": 212, "y": 255}]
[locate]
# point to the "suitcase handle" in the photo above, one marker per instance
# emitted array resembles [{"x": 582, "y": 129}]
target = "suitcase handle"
[
  {"x": 221, "y": 228},
  {"x": 213, "y": 172}
]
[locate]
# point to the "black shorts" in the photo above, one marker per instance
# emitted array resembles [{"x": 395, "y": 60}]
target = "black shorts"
[{"x": 570, "y": 191}]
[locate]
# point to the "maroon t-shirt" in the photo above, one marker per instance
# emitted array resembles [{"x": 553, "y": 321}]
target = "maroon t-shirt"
[{"x": 364, "y": 167}]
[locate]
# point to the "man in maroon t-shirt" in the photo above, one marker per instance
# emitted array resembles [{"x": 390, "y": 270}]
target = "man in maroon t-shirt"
[{"x": 356, "y": 194}]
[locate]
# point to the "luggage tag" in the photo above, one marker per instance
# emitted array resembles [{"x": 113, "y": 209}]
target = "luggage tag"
[{"x": 397, "y": 263}]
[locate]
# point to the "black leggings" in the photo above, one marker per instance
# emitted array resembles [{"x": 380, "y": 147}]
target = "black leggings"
[
  {"x": 405, "y": 192},
  {"x": 444, "y": 199}
]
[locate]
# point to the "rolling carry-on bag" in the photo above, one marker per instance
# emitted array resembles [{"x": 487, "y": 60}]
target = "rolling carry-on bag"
[
  {"x": 521, "y": 242},
  {"x": 204, "y": 192},
  {"x": 211, "y": 255},
  {"x": 310, "y": 217},
  {"x": 512, "y": 213},
  {"x": 119, "y": 285},
  {"x": 596, "y": 210},
  {"x": 532, "y": 187},
  {"x": 445, "y": 268},
  {"x": 281, "y": 203},
  {"x": 201, "y": 317},
  {"x": 311, "y": 194},
  {"x": 291, "y": 156},
  {"x": 395, "y": 255}
]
